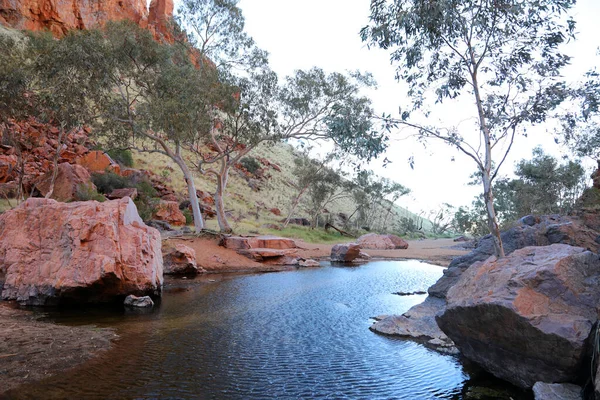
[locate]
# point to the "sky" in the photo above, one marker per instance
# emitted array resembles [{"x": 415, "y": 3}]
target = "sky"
[{"x": 324, "y": 33}]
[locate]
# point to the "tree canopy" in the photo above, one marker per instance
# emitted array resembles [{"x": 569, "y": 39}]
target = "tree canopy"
[{"x": 503, "y": 54}]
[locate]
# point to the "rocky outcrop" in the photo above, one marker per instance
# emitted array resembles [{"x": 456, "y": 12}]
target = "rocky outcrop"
[
  {"x": 132, "y": 193},
  {"x": 526, "y": 317},
  {"x": 34, "y": 144},
  {"x": 70, "y": 179},
  {"x": 346, "y": 252},
  {"x": 531, "y": 231},
  {"x": 382, "y": 242},
  {"x": 54, "y": 252},
  {"x": 59, "y": 17},
  {"x": 98, "y": 161},
  {"x": 180, "y": 260},
  {"x": 169, "y": 212}
]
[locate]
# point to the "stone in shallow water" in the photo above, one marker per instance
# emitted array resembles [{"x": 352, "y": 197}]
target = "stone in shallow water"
[
  {"x": 556, "y": 391},
  {"x": 418, "y": 323},
  {"x": 142, "y": 302}
]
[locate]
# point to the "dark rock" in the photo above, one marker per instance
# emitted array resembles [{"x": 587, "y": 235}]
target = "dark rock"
[
  {"x": 120, "y": 193},
  {"x": 549, "y": 229},
  {"x": 346, "y": 252},
  {"x": 135, "y": 301},
  {"x": 299, "y": 221},
  {"x": 461, "y": 239},
  {"x": 410, "y": 293},
  {"x": 526, "y": 317},
  {"x": 556, "y": 391},
  {"x": 162, "y": 226}
]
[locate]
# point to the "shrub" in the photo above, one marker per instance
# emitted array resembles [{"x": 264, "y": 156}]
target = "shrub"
[
  {"x": 86, "y": 192},
  {"x": 251, "y": 164},
  {"x": 122, "y": 156},
  {"x": 108, "y": 181},
  {"x": 189, "y": 218}
]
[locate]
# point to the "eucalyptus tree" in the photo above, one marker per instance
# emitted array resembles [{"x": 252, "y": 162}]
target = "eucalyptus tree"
[
  {"x": 307, "y": 173},
  {"x": 503, "y": 54},
  {"x": 156, "y": 99},
  {"x": 309, "y": 105}
]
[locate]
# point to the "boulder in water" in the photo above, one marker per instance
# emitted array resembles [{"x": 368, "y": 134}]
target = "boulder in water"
[{"x": 526, "y": 317}]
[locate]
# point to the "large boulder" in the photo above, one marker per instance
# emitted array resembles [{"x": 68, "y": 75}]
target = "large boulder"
[
  {"x": 381, "y": 242},
  {"x": 54, "y": 252},
  {"x": 556, "y": 391},
  {"x": 531, "y": 231},
  {"x": 99, "y": 162},
  {"x": 346, "y": 252},
  {"x": 70, "y": 179},
  {"x": 180, "y": 260},
  {"x": 526, "y": 317}
]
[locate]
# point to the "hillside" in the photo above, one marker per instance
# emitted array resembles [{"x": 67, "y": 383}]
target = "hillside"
[{"x": 246, "y": 197}]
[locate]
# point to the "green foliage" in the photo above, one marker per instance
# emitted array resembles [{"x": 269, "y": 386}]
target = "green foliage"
[
  {"x": 251, "y": 164},
  {"x": 309, "y": 235},
  {"x": 87, "y": 192},
  {"x": 108, "y": 181},
  {"x": 122, "y": 156},
  {"x": 189, "y": 218}
]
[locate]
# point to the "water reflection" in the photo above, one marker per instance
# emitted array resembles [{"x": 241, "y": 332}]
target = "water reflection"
[{"x": 301, "y": 334}]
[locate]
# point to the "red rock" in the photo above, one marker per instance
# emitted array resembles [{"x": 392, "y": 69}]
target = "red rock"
[
  {"x": 61, "y": 16},
  {"x": 83, "y": 251},
  {"x": 8, "y": 164},
  {"x": 276, "y": 167},
  {"x": 275, "y": 211},
  {"x": 381, "y": 242},
  {"x": 168, "y": 211},
  {"x": 205, "y": 197},
  {"x": 69, "y": 179},
  {"x": 180, "y": 260},
  {"x": 260, "y": 254},
  {"x": 98, "y": 161},
  {"x": 125, "y": 192},
  {"x": 258, "y": 242},
  {"x": 346, "y": 252}
]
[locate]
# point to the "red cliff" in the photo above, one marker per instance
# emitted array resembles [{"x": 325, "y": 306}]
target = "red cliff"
[{"x": 59, "y": 16}]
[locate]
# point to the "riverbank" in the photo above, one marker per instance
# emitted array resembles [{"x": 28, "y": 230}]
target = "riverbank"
[
  {"x": 217, "y": 259},
  {"x": 32, "y": 350}
]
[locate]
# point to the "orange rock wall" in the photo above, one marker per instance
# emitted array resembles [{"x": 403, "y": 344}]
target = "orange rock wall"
[{"x": 60, "y": 16}]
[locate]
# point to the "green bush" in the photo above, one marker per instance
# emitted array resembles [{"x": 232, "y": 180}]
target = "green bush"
[
  {"x": 189, "y": 218},
  {"x": 86, "y": 192},
  {"x": 251, "y": 164},
  {"x": 122, "y": 156},
  {"x": 108, "y": 181}
]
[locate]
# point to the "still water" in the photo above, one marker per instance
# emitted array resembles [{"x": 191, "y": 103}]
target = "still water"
[{"x": 289, "y": 335}]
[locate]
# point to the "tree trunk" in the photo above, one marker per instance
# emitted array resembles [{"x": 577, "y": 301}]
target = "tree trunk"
[
  {"x": 219, "y": 203},
  {"x": 189, "y": 180},
  {"x": 488, "y": 197},
  {"x": 55, "y": 163},
  {"x": 293, "y": 208}
]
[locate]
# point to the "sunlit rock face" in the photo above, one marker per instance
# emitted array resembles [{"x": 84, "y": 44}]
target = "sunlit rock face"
[
  {"x": 526, "y": 317},
  {"x": 53, "y": 252},
  {"x": 60, "y": 16}
]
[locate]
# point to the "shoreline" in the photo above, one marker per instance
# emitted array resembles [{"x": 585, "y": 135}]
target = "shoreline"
[{"x": 31, "y": 350}]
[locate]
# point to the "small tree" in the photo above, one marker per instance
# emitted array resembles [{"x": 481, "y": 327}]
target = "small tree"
[
  {"x": 503, "y": 54},
  {"x": 330, "y": 188}
]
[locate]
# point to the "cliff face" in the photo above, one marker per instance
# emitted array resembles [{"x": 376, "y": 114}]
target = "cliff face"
[{"x": 60, "y": 16}]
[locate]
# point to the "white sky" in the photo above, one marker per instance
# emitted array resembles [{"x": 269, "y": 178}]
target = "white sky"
[{"x": 324, "y": 33}]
